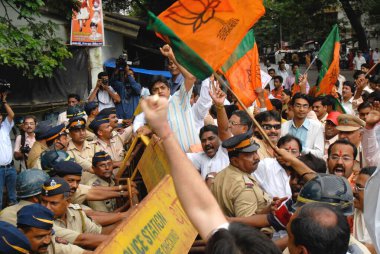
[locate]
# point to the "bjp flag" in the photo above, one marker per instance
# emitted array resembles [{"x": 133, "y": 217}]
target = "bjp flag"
[
  {"x": 242, "y": 71},
  {"x": 329, "y": 57},
  {"x": 204, "y": 33}
]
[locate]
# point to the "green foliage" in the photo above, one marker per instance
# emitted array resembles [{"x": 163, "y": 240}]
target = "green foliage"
[{"x": 32, "y": 48}]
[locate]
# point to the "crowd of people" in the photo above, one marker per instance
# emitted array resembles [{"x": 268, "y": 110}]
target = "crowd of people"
[{"x": 294, "y": 179}]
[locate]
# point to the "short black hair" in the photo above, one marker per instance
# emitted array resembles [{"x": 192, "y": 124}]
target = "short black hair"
[
  {"x": 295, "y": 64},
  {"x": 364, "y": 105},
  {"x": 287, "y": 92},
  {"x": 279, "y": 78},
  {"x": 313, "y": 162},
  {"x": 242, "y": 239},
  {"x": 102, "y": 74},
  {"x": 374, "y": 96},
  {"x": 73, "y": 95},
  {"x": 156, "y": 79},
  {"x": 365, "y": 65},
  {"x": 310, "y": 231},
  {"x": 277, "y": 104},
  {"x": 268, "y": 116},
  {"x": 271, "y": 69},
  {"x": 244, "y": 117},
  {"x": 287, "y": 138},
  {"x": 30, "y": 117},
  {"x": 330, "y": 101},
  {"x": 322, "y": 99},
  {"x": 358, "y": 73},
  {"x": 351, "y": 85},
  {"x": 342, "y": 142},
  {"x": 300, "y": 96},
  {"x": 209, "y": 127},
  {"x": 367, "y": 171}
]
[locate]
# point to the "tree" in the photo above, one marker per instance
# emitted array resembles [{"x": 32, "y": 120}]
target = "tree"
[{"x": 33, "y": 47}]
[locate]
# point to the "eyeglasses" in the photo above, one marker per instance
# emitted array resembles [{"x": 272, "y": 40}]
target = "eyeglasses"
[
  {"x": 305, "y": 106},
  {"x": 235, "y": 123},
  {"x": 358, "y": 188},
  {"x": 344, "y": 158},
  {"x": 269, "y": 126}
]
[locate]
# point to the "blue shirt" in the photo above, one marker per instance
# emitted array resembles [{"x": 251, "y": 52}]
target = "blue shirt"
[
  {"x": 300, "y": 132},
  {"x": 129, "y": 94}
]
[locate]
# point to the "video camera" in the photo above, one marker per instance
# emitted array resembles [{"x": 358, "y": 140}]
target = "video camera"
[
  {"x": 121, "y": 62},
  {"x": 4, "y": 86}
]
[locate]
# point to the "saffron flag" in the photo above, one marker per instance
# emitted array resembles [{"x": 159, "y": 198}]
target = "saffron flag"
[
  {"x": 242, "y": 70},
  {"x": 204, "y": 33},
  {"x": 329, "y": 57}
]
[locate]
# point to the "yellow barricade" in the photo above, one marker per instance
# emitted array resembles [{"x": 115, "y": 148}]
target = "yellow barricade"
[
  {"x": 158, "y": 226},
  {"x": 153, "y": 165}
]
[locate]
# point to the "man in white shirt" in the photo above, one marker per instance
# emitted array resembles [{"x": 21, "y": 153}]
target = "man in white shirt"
[
  {"x": 358, "y": 61},
  {"x": 103, "y": 93},
  {"x": 309, "y": 131},
  {"x": 348, "y": 92},
  {"x": 180, "y": 114},
  {"x": 214, "y": 157},
  {"x": 282, "y": 71},
  {"x": 274, "y": 177},
  {"x": 72, "y": 100},
  {"x": 7, "y": 170}
]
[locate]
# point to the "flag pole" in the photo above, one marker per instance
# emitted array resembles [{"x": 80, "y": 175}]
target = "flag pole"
[
  {"x": 372, "y": 68},
  {"x": 312, "y": 62},
  {"x": 260, "y": 129}
]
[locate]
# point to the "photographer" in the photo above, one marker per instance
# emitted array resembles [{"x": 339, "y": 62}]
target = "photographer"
[
  {"x": 7, "y": 170},
  {"x": 125, "y": 84},
  {"x": 103, "y": 93},
  {"x": 25, "y": 140}
]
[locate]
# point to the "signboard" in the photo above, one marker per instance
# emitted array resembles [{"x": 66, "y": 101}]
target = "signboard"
[
  {"x": 153, "y": 165},
  {"x": 87, "y": 27},
  {"x": 158, "y": 226}
]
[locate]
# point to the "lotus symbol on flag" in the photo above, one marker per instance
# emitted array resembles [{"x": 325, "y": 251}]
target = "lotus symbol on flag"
[{"x": 196, "y": 14}]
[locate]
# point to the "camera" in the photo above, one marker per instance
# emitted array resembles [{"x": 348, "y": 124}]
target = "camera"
[
  {"x": 104, "y": 81},
  {"x": 4, "y": 86},
  {"x": 121, "y": 62},
  {"x": 25, "y": 149}
]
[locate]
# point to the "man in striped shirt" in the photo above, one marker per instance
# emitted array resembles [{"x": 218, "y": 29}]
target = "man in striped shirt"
[{"x": 180, "y": 116}]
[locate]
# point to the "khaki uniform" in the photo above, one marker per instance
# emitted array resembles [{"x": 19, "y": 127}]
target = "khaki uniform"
[
  {"x": 84, "y": 157},
  {"x": 9, "y": 215},
  {"x": 76, "y": 220},
  {"x": 108, "y": 205},
  {"x": 80, "y": 194},
  {"x": 58, "y": 246},
  {"x": 238, "y": 194},
  {"x": 115, "y": 149},
  {"x": 34, "y": 155}
]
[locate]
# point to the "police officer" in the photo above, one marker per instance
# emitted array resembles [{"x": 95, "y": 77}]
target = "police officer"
[
  {"x": 50, "y": 158},
  {"x": 12, "y": 241},
  {"x": 28, "y": 189},
  {"x": 236, "y": 191},
  {"x": 36, "y": 222},
  {"x": 79, "y": 148},
  {"x": 103, "y": 176},
  {"x": 106, "y": 140},
  {"x": 56, "y": 197},
  {"x": 46, "y": 136}
]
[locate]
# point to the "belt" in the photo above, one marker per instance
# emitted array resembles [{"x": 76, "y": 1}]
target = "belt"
[{"x": 7, "y": 166}]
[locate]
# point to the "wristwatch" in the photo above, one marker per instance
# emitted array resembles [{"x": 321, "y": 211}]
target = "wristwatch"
[{"x": 210, "y": 175}]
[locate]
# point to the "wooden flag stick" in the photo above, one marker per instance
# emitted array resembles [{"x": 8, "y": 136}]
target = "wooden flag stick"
[
  {"x": 372, "y": 68},
  {"x": 260, "y": 129}
]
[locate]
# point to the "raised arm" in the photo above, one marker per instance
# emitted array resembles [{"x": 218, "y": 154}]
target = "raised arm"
[
  {"x": 218, "y": 97},
  {"x": 167, "y": 51},
  {"x": 8, "y": 109},
  {"x": 198, "y": 203}
]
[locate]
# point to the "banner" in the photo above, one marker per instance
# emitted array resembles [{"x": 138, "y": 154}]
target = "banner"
[
  {"x": 87, "y": 27},
  {"x": 158, "y": 226}
]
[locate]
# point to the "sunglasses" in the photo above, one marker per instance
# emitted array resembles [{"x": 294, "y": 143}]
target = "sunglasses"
[{"x": 269, "y": 126}]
